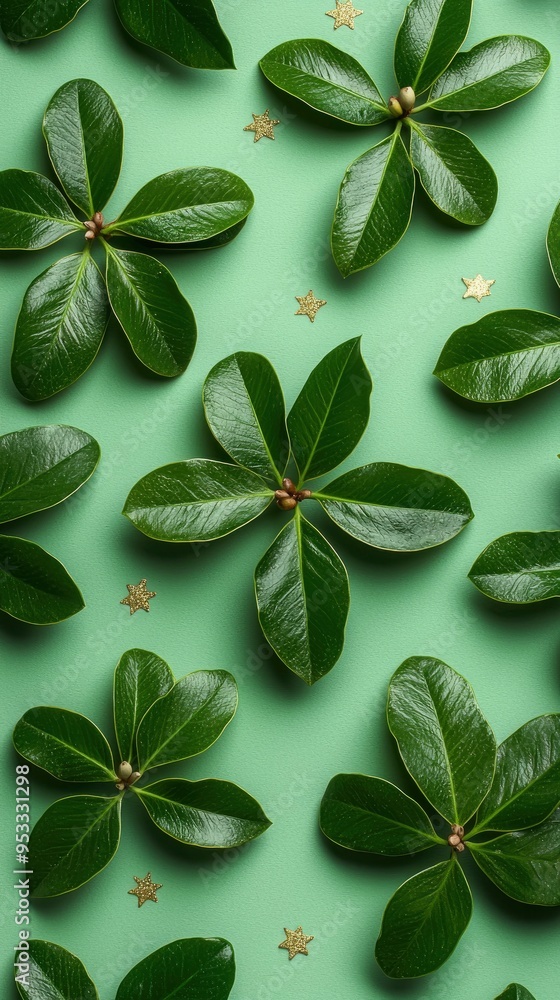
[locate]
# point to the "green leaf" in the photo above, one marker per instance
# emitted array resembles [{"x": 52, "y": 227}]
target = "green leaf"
[
  {"x": 140, "y": 679},
  {"x": 525, "y": 864},
  {"x": 519, "y": 568},
  {"x": 493, "y": 73},
  {"x": 553, "y": 243},
  {"x": 431, "y": 33},
  {"x": 327, "y": 79},
  {"x": 188, "y": 969},
  {"x": 197, "y": 500},
  {"x": 33, "y": 213},
  {"x": 186, "y": 205},
  {"x": 444, "y": 740},
  {"x": 60, "y": 327},
  {"x": 186, "y": 30},
  {"x": 454, "y": 173},
  {"x": 396, "y": 507},
  {"x": 84, "y": 135},
  {"x": 156, "y": 318},
  {"x": 424, "y": 921},
  {"x": 331, "y": 412},
  {"x": 22, "y": 20},
  {"x": 504, "y": 356},
  {"x": 374, "y": 206},
  {"x": 34, "y": 586},
  {"x": 188, "y": 719},
  {"x": 515, "y": 992},
  {"x": 303, "y": 599},
  {"x": 207, "y": 813},
  {"x": 370, "y": 814},
  {"x": 65, "y": 744},
  {"x": 245, "y": 411},
  {"x": 42, "y": 466},
  {"x": 526, "y": 786},
  {"x": 55, "y": 974},
  {"x": 73, "y": 841}
]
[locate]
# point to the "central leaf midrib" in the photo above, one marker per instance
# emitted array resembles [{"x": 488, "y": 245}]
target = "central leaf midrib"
[
  {"x": 336, "y": 86},
  {"x": 37, "y": 478},
  {"x": 427, "y": 911},
  {"x": 119, "y": 223},
  {"x": 478, "y": 83},
  {"x": 145, "y": 792},
  {"x": 392, "y": 141},
  {"x": 326, "y": 416},
  {"x": 69, "y": 746},
  {"x": 385, "y": 506},
  {"x": 501, "y": 808},
  {"x": 112, "y": 802},
  {"x": 172, "y": 736},
  {"x": 258, "y": 423},
  {"x": 445, "y": 753},
  {"x": 449, "y": 171},
  {"x": 34, "y": 587},
  {"x": 393, "y": 822},
  {"x": 198, "y": 503},
  {"x": 156, "y": 332},
  {"x": 494, "y": 357}
]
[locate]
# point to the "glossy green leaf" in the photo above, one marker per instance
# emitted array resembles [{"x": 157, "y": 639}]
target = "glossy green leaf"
[
  {"x": 443, "y": 738},
  {"x": 140, "y": 679},
  {"x": 33, "y": 213},
  {"x": 214, "y": 242},
  {"x": 34, "y": 586},
  {"x": 396, "y": 507},
  {"x": 454, "y": 173},
  {"x": 245, "y": 411},
  {"x": 60, "y": 326},
  {"x": 207, "y": 813},
  {"x": 197, "y": 500},
  {"x": 156, "y": 318},
  {"x": 431, "y": 33},
  {"x": 42, "y": 466},
  {"x": 188, "y": 719},
  {"x": 188, "y": 969},
  {"x": 526, "y": 786},
  {"x": 493, "y": 73},
  {"x": 22, "y": 20},
  {"x": 331, "y": 412},
  {"x": 553, "y": 243},
  {"x": 327, "y": 79},
  {"x": 186, "y": 30},
  {"x": 370, "y": 814},
  {"x": 526, "y": 864},
  {"x": 73, "y": 841},
  {"x": 504, "y": 356},
  {"x": 424, "y": 921},
  {"x": 55, "y": 974},
  {"x": 65, "y": 744},
  {"x": 374, "y": 206},
  {"x": 186, "y": 205},
  {"x": 84, "y": 135},
  {"x": 515, "y": 992},
  {"x": 303, "y": 599},
  {"x": 519, "y": 568}
]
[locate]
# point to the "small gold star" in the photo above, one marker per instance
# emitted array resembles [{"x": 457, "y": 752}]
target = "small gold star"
[
  {"x": 146, "y": 889},
  {"x": 344, "y": 14},
  {"x": 309, "y": 305},
  {"x": 477, "y": 288},
  {"x": 296, "y": 942},
  {"x": 262, "y": 126},
  {"x": 138, "y": 596}
]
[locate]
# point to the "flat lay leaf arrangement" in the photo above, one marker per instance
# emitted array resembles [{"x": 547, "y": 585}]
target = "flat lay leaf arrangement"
[
  {"x": 187, "y": 969},
  {"x": 500, "y": 803},
  {"x": 508, "y": 354},
  {"x": 186, "y": 30},
  {"x": 66, "y": 309},
  {"x": 301, "y": 583},
  {"x": 39, "y": 468},
  {"x": 376, "y": 197},
  {"x": 158, "y": 721}
]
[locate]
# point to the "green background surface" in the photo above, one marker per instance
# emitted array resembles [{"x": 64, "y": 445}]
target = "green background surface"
[{"x": 287, "y": 741}]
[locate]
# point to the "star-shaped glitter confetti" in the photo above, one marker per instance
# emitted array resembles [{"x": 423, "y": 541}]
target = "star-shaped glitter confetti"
[
  {"x": 477, "y": 288},
  {"x": 146, "y": 889},
  {"x": 263, "y": 126},
  {"x": 309, "y": 305},
  {"x": 138, "y": 596},
  {"x": 344, "y": 14},
  {"x": 296, "y": 942}
]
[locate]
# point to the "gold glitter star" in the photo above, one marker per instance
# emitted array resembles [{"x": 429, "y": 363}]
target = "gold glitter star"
[
  {"x": 477, "y": 288},
  {"x": 344, "y": 14},
  {"x": 138, "y": 596},
  {"x": 296, "y": 942},
  {"x": 262, "y": 126},
  {"x": 309, "y": 305},
  {"x": 146, "y": 889}
]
